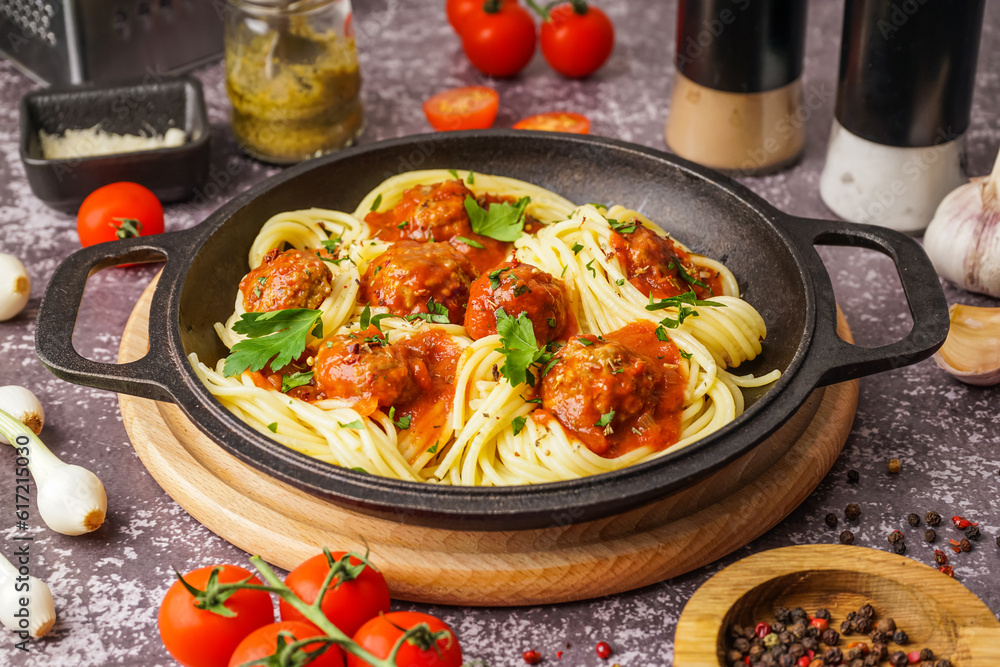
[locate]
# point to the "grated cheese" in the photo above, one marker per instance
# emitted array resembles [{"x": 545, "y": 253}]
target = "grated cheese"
[{"x": 95, "y": 141}]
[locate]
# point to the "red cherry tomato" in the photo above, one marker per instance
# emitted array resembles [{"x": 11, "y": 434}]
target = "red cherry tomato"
[
  {"x": 264, "y": 641},
  {"x": 347, "y": 605},
  {"x": 577, "y": 39},
  {"x": 469, "y": 108},
  {"x": 460, "y": 10},
  {"x": 201, "y": 638},
  {"x": 556, "y": 121},
  {"x": 118, "y": 211},
  {"x": 378, "y": 636},
  {"x": 499, "y": 39}
]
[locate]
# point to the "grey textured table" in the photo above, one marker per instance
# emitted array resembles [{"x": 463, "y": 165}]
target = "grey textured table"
[{"x": 107, "y": 585}]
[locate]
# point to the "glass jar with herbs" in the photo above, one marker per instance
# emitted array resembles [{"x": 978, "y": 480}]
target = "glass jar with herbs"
[{"x": 292, "y": 77}]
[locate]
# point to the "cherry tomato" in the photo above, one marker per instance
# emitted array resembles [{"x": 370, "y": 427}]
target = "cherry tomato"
[
  {"x": 347, "y": 605},
  {"x": 460, "y": 10},
  {"x": 577, "y": 39},
  {"x": 264, "y": 641},
  {"x": 118, "y": 211},
  {"x": 469, "y": 108},
  {"x": 378, "y": 636},
  {"x": 201, "y": 638},
  {"x": 556, "y": 121},
  {"x": 499, "y": 39}
]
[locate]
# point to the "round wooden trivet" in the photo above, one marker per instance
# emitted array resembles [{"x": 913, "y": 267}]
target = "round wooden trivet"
[{"x": 566, "y": 562}]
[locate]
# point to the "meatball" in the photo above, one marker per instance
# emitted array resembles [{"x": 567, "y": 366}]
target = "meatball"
[
  {"x": 518, "y": 288},
  {"x": 427, "y": 213},
  {"x": 596, "y": 387},
  {"x": 368, "y": 375},
  {"x": 290, "y": 279},
  {"x": 657, "y": 263},
  {"x": 415, "y": 278}
]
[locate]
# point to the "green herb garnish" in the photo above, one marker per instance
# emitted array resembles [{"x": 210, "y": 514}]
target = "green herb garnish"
[
  {"x": 278, "y": 337},
  {"x": 502, "y": 221},
  {"x": 289, "y": 382},
  {"x": 518, "y": 424}
]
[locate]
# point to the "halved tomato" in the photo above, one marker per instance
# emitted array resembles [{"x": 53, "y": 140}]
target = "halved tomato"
[
  {"x": 468, "y": 108},
  {"x": 556, "y": 121}
]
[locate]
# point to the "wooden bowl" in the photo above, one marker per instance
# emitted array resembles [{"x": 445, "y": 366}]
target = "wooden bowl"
[{"x": 936, "y": 611}]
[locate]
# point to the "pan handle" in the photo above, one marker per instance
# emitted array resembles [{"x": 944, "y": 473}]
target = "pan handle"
[
  {"x": 830, "y": 357},
  {"x": 146, "y": 377}
]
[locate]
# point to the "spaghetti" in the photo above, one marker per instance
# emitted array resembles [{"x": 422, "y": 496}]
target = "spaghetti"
[{"x": 452, "y": 352}]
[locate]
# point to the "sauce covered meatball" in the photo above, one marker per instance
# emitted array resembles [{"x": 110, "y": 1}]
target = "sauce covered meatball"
[
  {"x": 419, "y": 278},
  {"x": 518, "y": 288},
  {"x": 290, "y": 279},
  {"x": 617, "y": 394},
  {"x": 426, "y": 213},
  {"x": 367, "y": 375},
  {"x": 657, "y": 265}
]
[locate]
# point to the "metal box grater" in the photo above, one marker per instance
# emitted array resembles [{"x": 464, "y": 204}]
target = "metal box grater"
[{"x": 77, "y": 41}]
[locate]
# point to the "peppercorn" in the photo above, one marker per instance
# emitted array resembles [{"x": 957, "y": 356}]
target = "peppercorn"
[
  {"x": 771, "y": 640},
  {"x": 913, "y": 520},
  {"x": 852, "y": 512},
  {"x": 830, "y": 637},
  {"x": 741, "y": 644},
  {"x": 932, "y": 518},
  {"x": 796, "y": 650},
  {"x": 762, "y": 629},
  {"x": 779, "y": 650},
  {"x": 871, "y": 660},
  {"x": 822, "y": 613},
  {"x": 853, "y": 476},
  {"x": 899, "y": 548},
  {"x": 735, "y": 630},
  {"x": 940, "y": 557},
  {"x": 810, "y": 643},
  {"x": 532, "y": 657},
  {"x": 879, "y": 637},
  {"x": 820, "y": 624},
  {"x": 734, "y": 656},
  {"x": 798, "y": 629},
  {"x": 846, "y": 627},
  {"x": 863, "y": 626},
  {"x": 972, "y": 532},
  {"x": 831, "y": 520},
  {"x": 833, "y": 656},
  {"x": 783, "y": 615},
  {"x": 900, "y": 637},
  {"x": 886, "y": 626},
  {"x": 799, "y": 614},
  {"x": 879, "y": 649},
  {"x": 894, "y": 466},
  {"x": 930, "y": 535},
  {"x": 768, "y": 660},
  {"x": 926, "y": 654},
  {"x": 604, "y": 650},
  {"x": 812, "y": 631},
  {"x": 857, "y": 662},
  {"x": 898, "y": 659},
  {"x": 786, "y": 661},
  {"x": 965, "y": 544},
  {"x": 748, "y": 632},
  {"x": 895, "y": 537},
  {"x": 942, "y": 663},
  {"x": 866, "y": 610},
  {"x": 847, "y": 537},
  {"x": 818, "y": 662}
]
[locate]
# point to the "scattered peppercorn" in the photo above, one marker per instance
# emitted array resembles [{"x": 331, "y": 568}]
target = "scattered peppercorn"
[
  {"x": 831, "y": 520},
  {"x": 926, "y": 654},
  {"x": 879, "y": 637},
  {"x": 895, "y": 537},
  {"x": 830, "y": 637},
  {"x": 771, "y": 640},
  {"x": 762, "y": 630},
  {"x": 604, "y": 650},
  {"x": 898, "y": 659},
  {"x": 932, "y": 518},
  {"x": 867, "y": 611},
  {"x": 930, "y": 535},
  {"x": 799, "y": 614},
  {"x": 940, "y": 557},
  {"x": 810, "y": 643},
  {"x": 822, "y": 613},
  {"x": 783, "y": 615},
  {"x": 863, "y": 625},
  {"x": 965, "y": 544},
  {"x": 886, "y": 625},
  {"x": 900, "y": 637},
  {"x": 913, "y": 520},
  {"x": 899, "y": 548},
  {"x": 880, "y": 650},
  {"x": 742, "y": 644},
  {"x": 973, "y": 533},
  {"x": 894, "y": 467},
  {"x": 852, "y": 512},
  {"x": 942, "y": 663},
  {"x": 853, "y": 476},
  {"x": 532, "y": 657},
  {"x": 833, "y": 656},
  {"x": 847, "y": 537}
]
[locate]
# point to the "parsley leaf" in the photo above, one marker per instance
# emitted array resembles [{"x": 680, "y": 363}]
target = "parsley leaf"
[
  {"x": 273, "y": 427},
  {"x": 331, "y": 245},
  {"x": 357, "y": 425},
  {"x": 686, "y": 355},
  {"x": 377, "y": 202},
  {"x": 360, "y": 470},
  {"x": 403, "y": 224},
  {"x": 590, "y": 267},
  {"x": 278, "y": 336},
  {"x": 519, "y": 347},
  {"x": 661, "y": 334},
  {"x": 620, "y": 282},
  {"x": 605, "y": 419},
  {"x": 404, "y": 421},
  {"x": 367, "y": 319},
  {"x": 689, "y": 278},
  {"x": 622, "y": 227},
  {"x": 438, "y": 313},
  {"x": 454, "y": 174},
  {"x": 289, "y": 382},
  {"x": 518, "y": 424},
  {"x": 471, "y": 178},
  {"x": 494, "y": 277},
  {"x": 502, "y": 221},
  {"x": 577, "y": 247},
  {"x": 680, "y": 300},
  {"x": 469, "y": 242},
  {"x": 551, "y": 322}
]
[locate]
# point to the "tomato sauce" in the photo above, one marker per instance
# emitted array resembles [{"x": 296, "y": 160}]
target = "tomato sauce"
[
  {"x": 614, "y": 401},
  {"x": 657, "y": 266}
]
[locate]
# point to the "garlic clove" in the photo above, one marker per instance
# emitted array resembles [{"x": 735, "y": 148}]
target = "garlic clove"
[
  {"x": 15, "y": 286},
  {"x": 23, "y": 406},
  {"x": 972, "y": 351}
]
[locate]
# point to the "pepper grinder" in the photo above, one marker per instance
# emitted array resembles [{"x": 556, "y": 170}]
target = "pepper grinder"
[
  {"x": 907, "y": 69},
  {"x": 737, "y": 98}
]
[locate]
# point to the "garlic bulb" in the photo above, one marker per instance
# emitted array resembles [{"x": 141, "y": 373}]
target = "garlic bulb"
[
  {"x": 972, "y": 351},
  {"x": 15, "y": 286},
  {"x": 963, "y": 239},
  {"x": 23, "y": 406},
  {"x": 71, "y": 499},
  {"x": 35, "y": 618}
]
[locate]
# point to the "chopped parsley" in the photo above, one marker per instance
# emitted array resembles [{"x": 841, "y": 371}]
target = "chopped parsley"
[
  {"x": 434, "y": 449},
  {"x": 586, "y": 342},
  {"x": 454, "y": 174},
  {"x": 620, "y": 282},
  {"x": 519, "y": 347},
  {"x": 494, "y": 277},
  {"x": 403, "y": 423},
  {"x": 471, "y": 178},
  {"x": 357, "y": 469},
  {"x": 521, "y": 289},
  {"x": 622, "y": 227},
  {"x": 518, "y": 424},
  {"x": 502, "y": 221},
  {"x": 262, "y": 280},
  {"x": 357, "y": 425},
  {"x": 436, "y": 313},
  {"x": 590, "y": 267},
  {"x": 331, "y": 245},
  {"x": 403, "y": 224},
  {"x": 563, "y": 274},
  {"x": 688, "y": 298},
  {"x": 605, "y": 419},
  {"x": 469, "y": 242},
  {"x": 273, "y": 427},
  {"x": 577, "y": 247},
  {"x": 661, "y": 334},
  {"x": 377, "y": 202},
  {"x": 686, "y": 355},
  {"x": 551, "y": 322},
  {"x": 278, "y": 337},
  {"x": 289, "y": 382}
]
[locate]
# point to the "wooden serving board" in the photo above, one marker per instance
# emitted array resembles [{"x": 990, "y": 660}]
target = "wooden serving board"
[
  {"x": 566, "y": 562},
  {"x": 936, "y": 611}
]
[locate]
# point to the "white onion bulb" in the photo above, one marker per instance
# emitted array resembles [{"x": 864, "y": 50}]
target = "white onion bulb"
[{"x": 15, "y": 286}]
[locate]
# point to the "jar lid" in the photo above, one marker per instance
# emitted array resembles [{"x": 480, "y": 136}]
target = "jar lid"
[
  {"x": 741, "y": 46},
  {"x": 907, "y": 69}
]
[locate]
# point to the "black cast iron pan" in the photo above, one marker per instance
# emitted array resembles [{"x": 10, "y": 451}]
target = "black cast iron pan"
[{"x": 771, "y": 253}]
